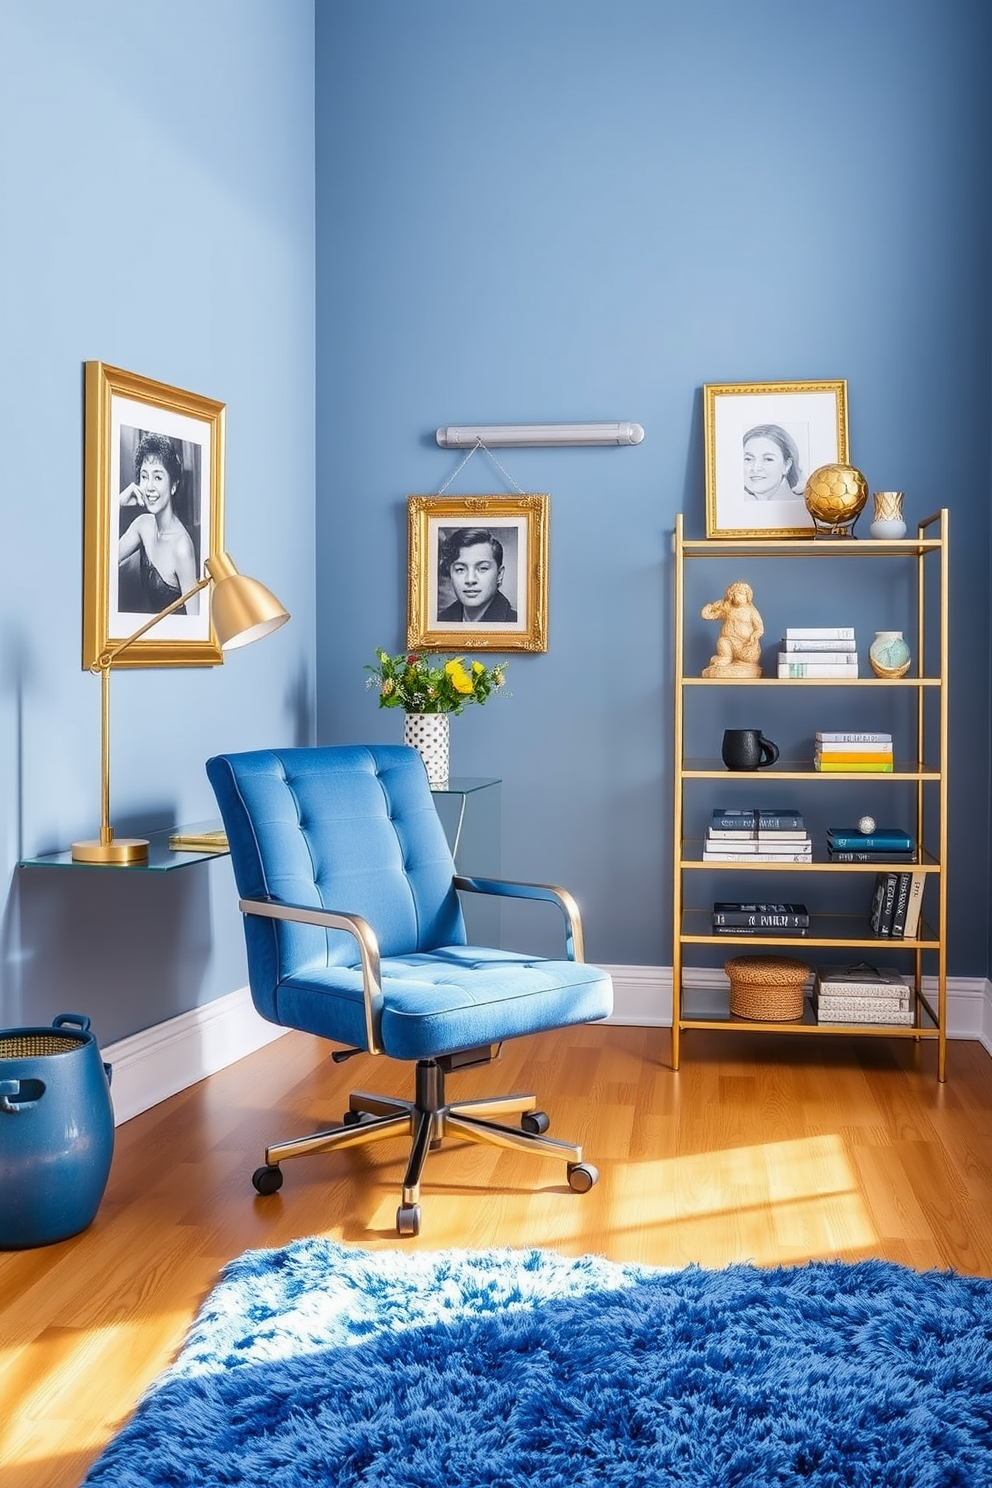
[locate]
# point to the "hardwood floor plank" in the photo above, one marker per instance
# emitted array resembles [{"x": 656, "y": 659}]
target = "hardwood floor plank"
[{"x": 769, "y": 1149}]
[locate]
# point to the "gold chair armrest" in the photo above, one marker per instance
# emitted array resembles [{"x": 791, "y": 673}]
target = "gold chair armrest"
[
  {"x": 355, "y": 925},
  {"x": 508, "y": 889}
]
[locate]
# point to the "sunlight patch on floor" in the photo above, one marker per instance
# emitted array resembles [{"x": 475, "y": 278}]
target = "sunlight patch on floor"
[{"x": 775, "y": 1201}]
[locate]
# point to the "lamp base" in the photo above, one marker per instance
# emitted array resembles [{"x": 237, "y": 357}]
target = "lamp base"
[{"x": 120, "y": 852}]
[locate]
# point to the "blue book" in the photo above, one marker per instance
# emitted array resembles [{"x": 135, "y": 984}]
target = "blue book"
[{"x": 881, "y": 839}]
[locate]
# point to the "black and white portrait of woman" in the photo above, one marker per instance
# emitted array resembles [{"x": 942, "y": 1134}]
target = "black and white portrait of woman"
[
  {"x": 158, "y": 546},
  {"x": 772, "y": 469}
]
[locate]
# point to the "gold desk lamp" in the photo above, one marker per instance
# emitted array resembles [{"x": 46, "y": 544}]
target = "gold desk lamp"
[{"x": 242, "y": 610}]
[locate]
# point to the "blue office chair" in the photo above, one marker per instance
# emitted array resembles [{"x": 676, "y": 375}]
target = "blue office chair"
[{"x": 354, "y": 932}]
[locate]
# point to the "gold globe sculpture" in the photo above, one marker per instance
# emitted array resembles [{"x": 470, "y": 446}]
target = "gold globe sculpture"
[{"x": 835, "y": 497}]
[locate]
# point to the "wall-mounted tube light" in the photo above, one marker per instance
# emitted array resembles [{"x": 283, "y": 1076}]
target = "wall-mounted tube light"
[{"x": 463, "y": 436}]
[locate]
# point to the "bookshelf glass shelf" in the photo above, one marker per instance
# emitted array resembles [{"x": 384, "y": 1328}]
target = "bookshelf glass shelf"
[{"x": 705, "y": 1008}]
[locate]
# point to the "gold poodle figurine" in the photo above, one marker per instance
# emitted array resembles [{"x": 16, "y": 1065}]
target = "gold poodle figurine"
[{"x": 738, "y": 646}]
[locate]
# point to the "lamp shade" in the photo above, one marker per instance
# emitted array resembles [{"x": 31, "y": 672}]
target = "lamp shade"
[{"x": 242, "y": 609}]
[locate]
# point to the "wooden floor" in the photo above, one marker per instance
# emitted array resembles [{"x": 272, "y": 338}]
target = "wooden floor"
[{"x": 763, "y": 1149}]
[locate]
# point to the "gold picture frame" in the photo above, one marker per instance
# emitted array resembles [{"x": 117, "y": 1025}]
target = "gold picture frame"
[
  {"x": 134, "y": 429},
  {"x": 796, "y": 428},
  {"x": 509, "y": 582}
]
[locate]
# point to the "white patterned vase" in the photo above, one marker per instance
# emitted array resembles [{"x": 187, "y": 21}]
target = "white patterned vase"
[{"x": 428, "y": 733}]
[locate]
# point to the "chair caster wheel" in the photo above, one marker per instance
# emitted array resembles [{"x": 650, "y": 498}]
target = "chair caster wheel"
[
  {"x": 582, "y": 1176},
  {"x": 408, "y": 1219},
  {"x": 535, "y": 1122},
  {"x": 267, "y": 1180}
]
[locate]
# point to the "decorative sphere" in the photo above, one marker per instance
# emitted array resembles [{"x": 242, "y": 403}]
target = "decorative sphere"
[
  {"x": 835, "y": 494},
  {"x": 867, "y": 824}
]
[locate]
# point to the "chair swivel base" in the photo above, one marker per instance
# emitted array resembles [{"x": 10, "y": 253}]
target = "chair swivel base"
[{"x": 428, "y": 1118}]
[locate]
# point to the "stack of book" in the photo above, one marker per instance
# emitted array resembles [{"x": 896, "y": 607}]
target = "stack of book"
[
  {"x": 757, "y": 835},
  {"x": 880, "y": 845},
  {"x": 896, "y": 904},
  {"x": 861, "y": 994},
  {"x": 854, "y": 754},
  {"x": 819, "y": 652},
  {"x": 734, "y": 918}
]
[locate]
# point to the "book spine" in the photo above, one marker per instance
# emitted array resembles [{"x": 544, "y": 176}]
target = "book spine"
[
  {"x": 818, "y": 658},
  {"x": 835, "y": 754},
  {"x": 853, "y": 990},
  {"x": 883, "y": 767},
  {"x": 859, "y": 1012},
  {"x": 739, "y": 857},
  {"x": 870, "y": 842},
  {"x": 888, "y": 904},
  {"x": 914, "y": 905},
  {"x": 735, "y": 821},
  {"x": 869, "y": 738},
  {"x": 862, "y": 748},
  {"x": 820, "y": 633},
  {"x": 794, "y": 642},
  {"x": 870, "y": 857},
  {"x": 878, "y": 899},
  {"x": 762, "y": 921},
  {"x": 791, "y": 821},
  {"x": 816, "y": 669},
  {"x": 753, "y": 930},
  {"x": 901, "y": 905}
]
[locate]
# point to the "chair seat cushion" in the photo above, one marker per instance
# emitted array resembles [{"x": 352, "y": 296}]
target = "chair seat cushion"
[{"x": 455, "y": 997}]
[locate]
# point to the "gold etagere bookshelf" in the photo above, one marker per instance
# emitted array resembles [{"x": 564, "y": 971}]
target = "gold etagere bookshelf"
[{"x": 699, "y": 1003}]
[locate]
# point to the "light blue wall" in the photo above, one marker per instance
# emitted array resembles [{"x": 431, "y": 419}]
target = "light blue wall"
[
  {"x": 532, "y": 211},
  {"x": 156, "y": 170}
]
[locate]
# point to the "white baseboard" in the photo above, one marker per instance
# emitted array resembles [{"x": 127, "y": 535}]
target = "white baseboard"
[
  {"x": 159, "y": 1062},
  {"x": 643, "y": 997}
]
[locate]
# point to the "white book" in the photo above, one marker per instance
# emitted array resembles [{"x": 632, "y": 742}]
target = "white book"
[
  {"x": 713, "y": 855},
  {"x": 730, "y": 834},
  {"x": 860, "y": 981},
  {"x": 783, "y": 834},
  {"x": 816, "y": 669},
  {"x": 863, "y": 1013},
  {"x": 826, "y": 747},
  {"x": 836, "y": 658},
  {"x": 869, "y": 738},
  {"x": 820, "y": 633},
  {"x": 914, "y": 904},
  {"x": 794, "y": 642}
]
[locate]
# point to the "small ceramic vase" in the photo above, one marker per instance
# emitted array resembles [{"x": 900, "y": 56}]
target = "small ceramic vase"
[
  {"x": 888, "y": 520},
  {"x": 429, "y": 734},
  {"x": 889, "y": 654}
]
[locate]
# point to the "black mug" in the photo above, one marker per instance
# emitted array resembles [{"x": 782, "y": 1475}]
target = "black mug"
[{"x": 747, "y": 749}]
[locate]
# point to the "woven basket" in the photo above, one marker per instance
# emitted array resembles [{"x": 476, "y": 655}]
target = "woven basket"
[{"x": 768, "y": 989}]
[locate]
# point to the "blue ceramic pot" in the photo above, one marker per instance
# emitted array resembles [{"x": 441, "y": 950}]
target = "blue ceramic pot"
[{"x": 56, "y": 1131}]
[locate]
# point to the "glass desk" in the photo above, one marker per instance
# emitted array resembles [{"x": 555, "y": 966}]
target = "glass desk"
[
  {"x": 161, "y": 857},
  {"x": 473, "y": 835}
]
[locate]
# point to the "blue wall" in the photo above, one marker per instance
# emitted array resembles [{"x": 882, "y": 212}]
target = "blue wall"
[
  {"x": 533, "y": 212},
  {"x": 156, "y": 175},
  {"x": 518, "y": 211}
]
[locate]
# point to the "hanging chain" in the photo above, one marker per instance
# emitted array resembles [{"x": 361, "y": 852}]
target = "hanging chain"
[{"x": 485, "y": 448}]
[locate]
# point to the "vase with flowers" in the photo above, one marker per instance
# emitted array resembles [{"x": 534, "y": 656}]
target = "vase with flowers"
[{"x": 429, "y": 689}]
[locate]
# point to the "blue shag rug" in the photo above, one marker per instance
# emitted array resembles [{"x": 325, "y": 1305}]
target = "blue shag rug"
[{"x": 320, "y": 1364}]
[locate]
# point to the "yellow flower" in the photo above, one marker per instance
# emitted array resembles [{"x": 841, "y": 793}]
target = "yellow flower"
[
  {"x": 387, "y": 686},
  {"x": 460, "y": 679},
  {"x": 477, "y": 667}
]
